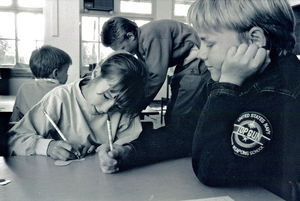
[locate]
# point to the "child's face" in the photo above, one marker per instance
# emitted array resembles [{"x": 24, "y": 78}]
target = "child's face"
[
  {"x": 213, "y": 49},
  {"x": 129, "y": 45},
  {"x": 62, "y": 74},
  {"x": 104, "y": 98}
]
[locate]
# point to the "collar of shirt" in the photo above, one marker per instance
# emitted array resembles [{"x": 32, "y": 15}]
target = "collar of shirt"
[{"x": 47, "y": 79}]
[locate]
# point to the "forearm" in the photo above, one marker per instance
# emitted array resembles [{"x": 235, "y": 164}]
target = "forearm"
[
  {"x": 211, "y": 152},
  {"x": 158, "y": 145},
  {"x": 27, "y": 144}
]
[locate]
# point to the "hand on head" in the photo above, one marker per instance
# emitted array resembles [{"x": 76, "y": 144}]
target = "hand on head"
[{"x": 242, "y": 62}]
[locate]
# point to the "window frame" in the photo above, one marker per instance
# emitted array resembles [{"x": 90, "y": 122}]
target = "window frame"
[
  {"x": 92, "y": 13},
  {"x": 175, "y": 17},
  {"x": 17, "y": 69}
]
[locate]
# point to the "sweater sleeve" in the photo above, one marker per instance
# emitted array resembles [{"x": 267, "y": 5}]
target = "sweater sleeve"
[
  {"x": 129, "y": 129},
  {"x": 29, "y": 135}
]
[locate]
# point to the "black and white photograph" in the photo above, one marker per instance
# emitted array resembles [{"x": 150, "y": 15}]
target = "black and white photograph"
[{"x": 149, "y": 100}]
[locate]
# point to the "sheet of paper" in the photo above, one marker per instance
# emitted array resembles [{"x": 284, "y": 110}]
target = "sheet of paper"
[
  {"x": 222, "y": 198},
  {"x": 4, "y": 182},
  {"x": 64, "y": 163}
]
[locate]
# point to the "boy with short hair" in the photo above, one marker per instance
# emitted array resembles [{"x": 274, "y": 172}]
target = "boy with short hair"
[
  {"x": 49, "y": 65},
  {"x": 249, "y": 128},
  {"x": 81, "y": 111},
  {"x": 162, "y": 44}
]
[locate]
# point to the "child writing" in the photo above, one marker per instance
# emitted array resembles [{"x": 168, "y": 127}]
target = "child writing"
[
  {"x": 249, "y": 128},
  {"x": 49, "y": 65},
  {"x": 81, "y": 110},
  {"x": 162, "y": 44}
]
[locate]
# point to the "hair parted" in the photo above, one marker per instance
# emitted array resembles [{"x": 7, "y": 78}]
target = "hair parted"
[
  {"x": 115, "y": 29},
  {"x": 47, "y": 58},
  {"x": 131, "y": 74},
  {"x": 275, "y": 17}
]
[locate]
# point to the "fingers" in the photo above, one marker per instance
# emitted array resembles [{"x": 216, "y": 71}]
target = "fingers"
[
  {"x": 232, "y": 51},
  {"x": 241, "y": 62},
  {"x": 108, "y": 163},
  {"x": 259, "y": 57},
  {"x": 64, "y": 145},
  {"x": 60, "y": 150},
  {"x": 91, "y": 149}
]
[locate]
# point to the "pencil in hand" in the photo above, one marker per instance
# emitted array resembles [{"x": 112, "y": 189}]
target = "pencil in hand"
[
  {"x": 109, "y": 133},
  {"x": 76, "y": 153}
]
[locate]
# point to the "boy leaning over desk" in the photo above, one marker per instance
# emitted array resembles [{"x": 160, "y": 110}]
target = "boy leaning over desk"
[
  {"x": 162, "y": 44},
  {"x": 81, "y": 112},
  {"x": 249, "y": 128}
]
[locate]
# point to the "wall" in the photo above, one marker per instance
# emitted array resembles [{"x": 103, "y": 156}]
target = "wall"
[{"x": 62, "y": 30}]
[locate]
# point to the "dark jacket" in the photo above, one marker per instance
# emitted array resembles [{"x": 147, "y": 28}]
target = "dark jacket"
[
  {"x": 163, "y": 44},
  {"x": 251, "y": 133}
]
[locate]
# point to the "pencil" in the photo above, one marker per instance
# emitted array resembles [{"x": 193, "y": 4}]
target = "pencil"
[
  {"x": 59, "y": 132},
  {"x": 109, "y": 133},
  {"x": 55, "y": 126}
]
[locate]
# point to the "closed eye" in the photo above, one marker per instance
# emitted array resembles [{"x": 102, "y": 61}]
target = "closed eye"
[
  {"x": 106, "y": 96},
  {"x": 210, "y": 44}
]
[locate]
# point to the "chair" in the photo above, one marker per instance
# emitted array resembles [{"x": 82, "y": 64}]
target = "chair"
[{"x": 165, "y": 100}]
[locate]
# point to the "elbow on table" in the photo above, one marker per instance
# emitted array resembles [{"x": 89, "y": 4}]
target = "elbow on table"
[
  {"x": 203, "y": 173},
  {"x": 209, "y": 173}
]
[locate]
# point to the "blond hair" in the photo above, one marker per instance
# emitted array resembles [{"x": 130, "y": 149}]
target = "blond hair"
[{"x": 275, "y": 17}]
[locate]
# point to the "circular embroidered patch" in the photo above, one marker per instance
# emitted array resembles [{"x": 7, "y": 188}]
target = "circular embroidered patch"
[{"x": 251, "y": 133}]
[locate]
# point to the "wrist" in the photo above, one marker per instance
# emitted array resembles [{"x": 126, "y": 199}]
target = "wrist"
[
  {"x": 231, "y": 80},
  {"x": 49, "y": 147}
]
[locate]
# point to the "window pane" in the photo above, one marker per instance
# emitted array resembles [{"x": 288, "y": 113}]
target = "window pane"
[
  {"x": 294, "y": 2},
  {"x": 25, "y": 49},
  {"x": 89, "y": 29},
  {"x": 31, "y": 3},
  {"x": 141, "y": 22},
  {"x": 89, "y": 53},
  {"x": 104, "y": 51},
  {"x": 30, "y": 26},
  {"x": 7, "y": 52},
  {"x": 5, "y": 2},
  {"x": 7, "y": 24},
  {"x": 181, "y": 7},
  {"x": 136, "y": 6}
]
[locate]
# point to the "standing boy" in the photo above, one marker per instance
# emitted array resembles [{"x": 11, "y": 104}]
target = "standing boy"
[
  {"x": 162, "y": 44},
  {"x": 49, "y": 65},
  {"x": 249, "y": 128}
]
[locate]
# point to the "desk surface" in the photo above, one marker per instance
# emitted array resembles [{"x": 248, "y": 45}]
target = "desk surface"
[
  {"x": 36, "y": 178},
  {"x": 7, "y": 103}
]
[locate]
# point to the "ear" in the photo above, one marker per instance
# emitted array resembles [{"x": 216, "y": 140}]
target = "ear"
[
  {"x": 257, "y": 36},
  {"x": 54, "y": 74},
  {"x": 130, "y": 36}
]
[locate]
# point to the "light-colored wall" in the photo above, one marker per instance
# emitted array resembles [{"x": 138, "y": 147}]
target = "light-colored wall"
[
  {"x": 68, "y": 27},
  {"x": 62, "y": 30}
]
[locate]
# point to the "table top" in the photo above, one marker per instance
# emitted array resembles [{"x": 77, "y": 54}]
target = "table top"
[
  {"x": 37, "y": 178},
  {"x": 7, "y": 103}
]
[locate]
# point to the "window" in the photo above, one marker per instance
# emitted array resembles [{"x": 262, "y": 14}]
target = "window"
[
  {"x": 22, "y": 31},
  {"x": 181, "y": 7},
  {"x": 92, "y": 50},
  {"x": 136, "y": 6}
]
